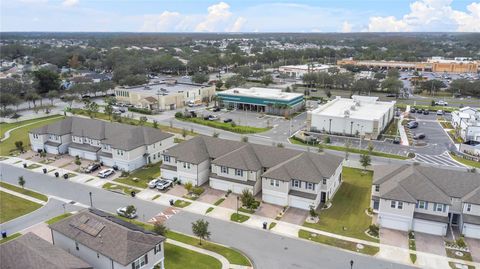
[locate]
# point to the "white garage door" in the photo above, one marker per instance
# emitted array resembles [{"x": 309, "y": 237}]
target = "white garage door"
[
  {"x": 76, "y": 152},
  {"x": 168, "y": 174},
  {"x": 471, "y": 230},
  {"x": 219, "y": 185},
  {"x": 52, "y": 150},
  {"x": 274, "y": 199},
  {"x": 107, "y": 161},
  {"x": 300, "y": 203},
  {"x": 429, "y": 227},
  {"x": 238, "y": 188},
  {"x": 394, "y": 223},
  {"x": 90, "y": 155}
]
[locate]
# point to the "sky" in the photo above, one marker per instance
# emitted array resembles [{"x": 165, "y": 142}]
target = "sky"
[{"x": 240, "y": 16}]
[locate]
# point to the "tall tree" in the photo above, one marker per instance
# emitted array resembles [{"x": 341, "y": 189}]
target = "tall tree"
[
  {"x": 52, "y": 95},
  {"x": 21, "y": 181},
  {"x": 46, "y": 80},
  {"x": 200, "y": 229}
]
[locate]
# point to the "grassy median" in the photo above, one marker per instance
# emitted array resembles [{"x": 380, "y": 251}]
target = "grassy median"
[{"x": 225, "y": 126}]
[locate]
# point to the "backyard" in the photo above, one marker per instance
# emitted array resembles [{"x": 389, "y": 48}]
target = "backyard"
[
  {"x": 140, "y": 177},
  {"x": 347, "y": 214},
  {"x": 12, "y": 207},
  {"x": 4, "y": 127}
]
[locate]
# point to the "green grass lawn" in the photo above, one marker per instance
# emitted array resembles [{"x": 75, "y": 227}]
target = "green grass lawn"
[
  {"x": 143, "y": 176},
  {"x": 451, "y": 254},
  {"x": 219, "y": 201},
  {"x": 465, "y": 161},
  {"x": 210, "y": 209},
  {"x": 4, "y": 127},
  {"x": 156, "y": 197},
  {"x": 181, "y": 203},
  {"x": 272, "y": 225},
  {"x": 12, "y": 207},
  {"x": 352, "y": 246},
  {"x": 239, "y": 217},
  {"x": 21, "y": 134},
  {"x": 119, "y": 188},
  {"x": 226, "y": 126},
  {"x": 348, "y": 207},
  {"x": 33, "y": 166},
  {"x": 412, "y": 246},
  {"x": 181, "y": 258},
  {"x": 21, "y": 190},
  {"x": 58, "y": 218},
  {"x": 297, "y": 141},
  {"x": 10, "y": 237}
]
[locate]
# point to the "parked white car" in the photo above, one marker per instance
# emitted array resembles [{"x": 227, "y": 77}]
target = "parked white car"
[
  {"x": 105, "y": 173},
  {"x": 164, "y": 184},
  {"x": 153, "y": 183},
  {"x": 122, "y": 211},
  {"x": 441, "y": 103}
]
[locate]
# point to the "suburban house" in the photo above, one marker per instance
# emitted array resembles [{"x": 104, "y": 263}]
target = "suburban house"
[
  {"x": 426, "y": 199},
  {"x": 286, "y": 177},
  {"x": 467, "y": 121},
  {"x": 105, "y": 241},
  {"x": 126, "y": 146},
  {"x": 31, "y": 251},
  {"x": 359, "y": 116}
]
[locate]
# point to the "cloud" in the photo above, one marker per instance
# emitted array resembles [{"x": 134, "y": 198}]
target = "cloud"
[
  {"x": 430, "y": 15},
  {"x": 237, "y": 25},
  {"x": 217, "y": 15},
  {"x": 346, "y": 27},
  {"x": 70, "y": 3},
  {"x": 167, "y": 21}
]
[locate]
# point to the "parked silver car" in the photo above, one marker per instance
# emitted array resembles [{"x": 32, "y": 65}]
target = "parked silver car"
[{"x": 164, "y": 184}]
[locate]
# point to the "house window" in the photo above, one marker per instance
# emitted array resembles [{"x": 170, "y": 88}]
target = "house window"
[
  {"x": 324, "y": 181},
  {"x": 76, "y": 246},
  {"x": 310, "y": 186},
  {"x": 469, "y": 207},
  {"x": 422, "y": 205},
  {"x": 140, "y": 262},
  {"x": 98, "y": 255},
  {"x": 400, "y": 205},
  {"x": 186, "y": 165},
  {"x": 296, "y": 183},
  {"x": 393, "y": 204},
  {"x": 166, "y": 158},
  {"x": 274, "y": 182},
  {"x": 377, "y": 188},
  {"x": 157, "y": 249},
  {"x": 224, "y": 169},
  {"x": 439, "y": 207},
  {"x": 239, "y": 172}
]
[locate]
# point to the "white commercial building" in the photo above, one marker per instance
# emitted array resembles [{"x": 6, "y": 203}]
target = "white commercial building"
[
  {"x": 298, "y": 71},
  {"x": 358, "y": 116}
]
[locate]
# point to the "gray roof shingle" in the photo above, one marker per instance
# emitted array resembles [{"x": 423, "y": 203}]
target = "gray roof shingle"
[
  {"x": 31, "y": 251},
  {"x": 118, "y": 135},
  {"x": 121, "y": 241}
]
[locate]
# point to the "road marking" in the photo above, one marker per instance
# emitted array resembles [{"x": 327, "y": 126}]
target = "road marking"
[
  {"x": 164, "y": 216},
  {"x": 441, "y": 159},
  {"x": 262, "y": 136}
]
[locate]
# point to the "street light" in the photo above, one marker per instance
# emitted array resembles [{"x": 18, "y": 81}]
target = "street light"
[
  {"x": 237, "y": 204},
  {"x": 91, "y": 202},
  {"x": 351, "y": 264}
]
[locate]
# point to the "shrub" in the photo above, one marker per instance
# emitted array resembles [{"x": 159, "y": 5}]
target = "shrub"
[
  {"x": 326, "y": 140},
  {"x": 140, "y": 110},
  {"x": 198, "y": 191},
  {"x": 188, "y": 186},
  {"x": 461, "y": 242},
  {"x": 125, "y": 174},
  {"x": 179, "y": 115},
  {"x": 374, "y": 229}
]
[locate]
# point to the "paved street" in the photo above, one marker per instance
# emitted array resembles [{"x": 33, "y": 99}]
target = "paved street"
[{"x": 268, "y": 250}]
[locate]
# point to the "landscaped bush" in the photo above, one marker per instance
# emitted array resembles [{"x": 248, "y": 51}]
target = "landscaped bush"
[
  {"x": 179, "y": 115},
  {"x": 461, "y": 242},
  {"x": 374, "y": 230},
  {"x": 198, "y": 191},
  {"x": 140, "y": 110}
]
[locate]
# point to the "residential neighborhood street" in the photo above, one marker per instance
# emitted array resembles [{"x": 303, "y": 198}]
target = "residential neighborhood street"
[{"x": 294, "y": 253}]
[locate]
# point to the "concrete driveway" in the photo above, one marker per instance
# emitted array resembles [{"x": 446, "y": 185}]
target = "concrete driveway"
[
  {"x": 211, "y": 195},
  {"x": 295, "y": 215},
  {"x": 474, "y": 245},
  {"x": 394, "y": 238},
  {"x": 268, "y": 210},
  {"x": 430, "y": 243}
]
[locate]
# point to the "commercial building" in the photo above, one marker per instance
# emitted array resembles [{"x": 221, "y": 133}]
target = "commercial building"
[
  {"x": 434, "y": 64},
  {"x": 166, "y": 95},
  {"x": 426, "y": 199},
  {"x": 467, "y": 121},
  {"x": 265, "y": 100},
  {"x": 359, "y": 116},
  {"x": 126, "y": 146},
  {"x": 106, "y": 241},
  {"x": 33, "y": 252},
  {"x": 297, "y": 71},
  {"x": 286, "y": 177}
]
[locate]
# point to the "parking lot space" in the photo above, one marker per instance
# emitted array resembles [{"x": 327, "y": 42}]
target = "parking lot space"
[
  {"x": 210, "y": 195},
  {"x": 268, "y": 210},
  {"x": 295, "y": 215},
  {"x": 244, "y": 117},
  {"x": 394, "y": 238},
  {"x": 430, "y": 243}
]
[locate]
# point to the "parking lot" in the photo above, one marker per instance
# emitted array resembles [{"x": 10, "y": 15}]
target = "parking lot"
[{"x": 243, "y": 117}]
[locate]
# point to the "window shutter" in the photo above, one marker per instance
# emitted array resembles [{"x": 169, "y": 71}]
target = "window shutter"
[
  {"x": 426, "y": 205},
  {"x": 133, "y": 265},
  {"x": 444, "y": 208},
  {"x": 146, "y": 258}
]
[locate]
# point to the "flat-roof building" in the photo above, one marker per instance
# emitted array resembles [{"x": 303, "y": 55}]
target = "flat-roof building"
[
  {"x": 267, "y": 100},
  {"x": 298, "y": 71},
  {"x": 359, "y": 116},
  {"x": 165, "y": 95}
]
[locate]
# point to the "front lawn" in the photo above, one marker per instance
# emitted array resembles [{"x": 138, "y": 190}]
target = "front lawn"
[
  {"x": 33, "y": 166},
  {"x": 119, "y": 188},
  {"x": 21, "y": 134},
  {"x": 12, "y": 207},
  {"x": 23, "y": 191},
  {"x": 181, "y": 203},
  {"x": 58, "y": 218},
  {"x": 347, "y": 214},
  {"x": 181, "y": 258},
  {"x": 451, "y": 254},
  {"x": 239, "y": 217},
  {"x": 331, "y": 241},
  {"x": 140, "y": 177},
  {"x": 226, "y": 126}
]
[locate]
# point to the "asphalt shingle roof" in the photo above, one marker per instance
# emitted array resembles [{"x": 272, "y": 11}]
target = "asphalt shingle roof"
[
  {"x": 118, "y": 135},
  {"x": 31, "y": 251},
  {"x": 121, "y": 241}
]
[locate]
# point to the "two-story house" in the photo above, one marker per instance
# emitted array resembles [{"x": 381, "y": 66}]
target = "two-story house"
[
  {"x": 426, "y": 199},
  {"x": 467, "y": 120},
  {"x": 126, "y": 146},
  {"x": 105, "y": 241},
  {"x": 309, "y": 178}
]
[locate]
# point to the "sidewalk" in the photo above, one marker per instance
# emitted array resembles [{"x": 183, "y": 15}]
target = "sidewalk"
[
  {"x": 26, "y": 197},
  {"x": 387, "y": 252}
]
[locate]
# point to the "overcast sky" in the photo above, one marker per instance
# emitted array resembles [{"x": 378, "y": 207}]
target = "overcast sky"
[{"x": 240, "y": 15}]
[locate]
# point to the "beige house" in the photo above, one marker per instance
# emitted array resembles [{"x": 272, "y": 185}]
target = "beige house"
[{"x": 164, "y": 95}]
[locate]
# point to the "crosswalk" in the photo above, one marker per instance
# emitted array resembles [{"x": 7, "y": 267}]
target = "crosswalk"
[
  {"x": 164, "y": 216},
  {"x": 443, "y": 159}
]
